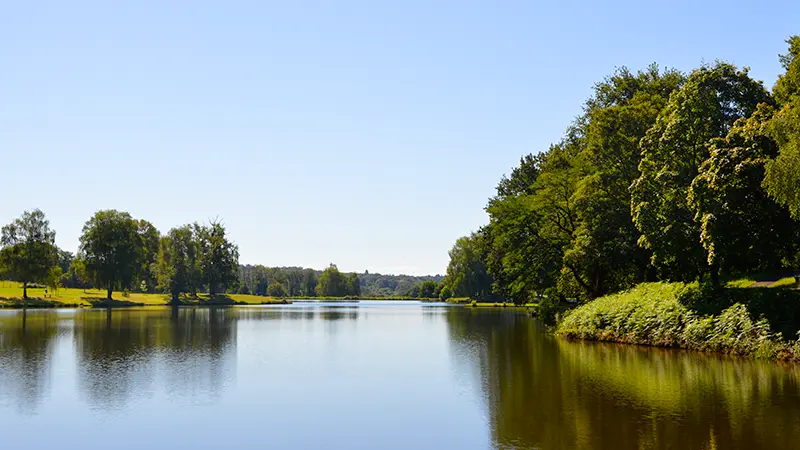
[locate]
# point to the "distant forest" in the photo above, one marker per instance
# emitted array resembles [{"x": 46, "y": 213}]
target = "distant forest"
[{"x": 299, "y": 281}]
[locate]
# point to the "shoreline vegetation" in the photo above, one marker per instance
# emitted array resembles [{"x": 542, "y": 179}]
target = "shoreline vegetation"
[
  {"x": 667, "y": 185},
  {"x": 11, "y": 298},
  {"x": 758, "y": 322}
]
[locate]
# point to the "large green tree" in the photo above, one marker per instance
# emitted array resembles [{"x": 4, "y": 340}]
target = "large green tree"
[
  {"x": 603, "y": 249},
  {"x": 112, "y": 249},
  {"x": 704, "y": 108},
  {"x": 742, "y": 229},
  {"x": 219, "y": 258},
  {"x": 27, "y": 249},
  {"x": 782, "y": 177}
]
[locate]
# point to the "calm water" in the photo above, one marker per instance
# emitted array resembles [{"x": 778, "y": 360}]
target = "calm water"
[{"x": 368, "y": 375}]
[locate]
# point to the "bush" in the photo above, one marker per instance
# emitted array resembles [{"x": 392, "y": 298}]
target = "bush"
[{"x": 749, "y": 322}]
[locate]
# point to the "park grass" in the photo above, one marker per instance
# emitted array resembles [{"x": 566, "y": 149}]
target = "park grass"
[
  {"x": 11, "y": 297},
  {"x": 753, "y": 322}
]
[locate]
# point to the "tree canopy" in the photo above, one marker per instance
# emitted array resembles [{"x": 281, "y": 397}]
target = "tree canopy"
[{"x": 27, "y": 249}]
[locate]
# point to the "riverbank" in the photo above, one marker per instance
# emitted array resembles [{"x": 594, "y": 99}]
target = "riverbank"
[
  {"x": 753, "y": 322},
  {"x": 11, "y": 297}
]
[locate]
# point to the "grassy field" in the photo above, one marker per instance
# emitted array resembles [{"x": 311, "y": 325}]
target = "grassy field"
[{"x": 11, "y": 296}]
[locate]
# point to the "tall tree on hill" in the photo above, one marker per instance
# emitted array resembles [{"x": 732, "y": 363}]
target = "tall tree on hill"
[
  {"x": 219, "y": 258},
  {"x": 673, "y": 150},
  {"x": 27, "y": 249},
  {"x": 112, "y": 249}
]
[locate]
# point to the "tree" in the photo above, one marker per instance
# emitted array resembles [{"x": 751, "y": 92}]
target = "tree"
[
  {"x": 782, "y": 176},
  {"x": 331, "y": 283},
  {"x": 604, "y": 247},
  {"x": 705, "y": 107},
  {"x": 427, "y": 289},
  {"x": 54, "y": 279},
  {"x": 150, "y": 238},
  {"x": 77, "y": 271},
  {"x": 276, "y": 289},
  {"x": 219, "y": 258},
  {"x": 352, "y": 285},
  {"x": 112, "y": 249},
  {"x": 445, "y": 293},
  {"x": 466, "y": 272},
  {"x": 178, "y": 268},
  {"x": 28, "y": 249},
  {"x": 309, "y": 285},
  {"x": 742, "y": 229},
  {"x": 294, "y": 282}
]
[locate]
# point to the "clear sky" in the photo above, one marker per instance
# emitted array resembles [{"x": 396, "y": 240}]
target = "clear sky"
[{"x": 361, "y": 132}]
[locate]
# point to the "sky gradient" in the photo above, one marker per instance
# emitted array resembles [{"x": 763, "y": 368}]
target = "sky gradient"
[{"x": 368, "y": 134}]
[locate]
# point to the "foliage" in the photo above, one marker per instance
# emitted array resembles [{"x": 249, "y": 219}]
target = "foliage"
[
  {"x": 747, "y": 322},
  {"x": 150, "y": 238},
  {"x": 27, "y": 249},
  {"x": 112, "y": 249},
  {"x": 276, "y": 289},
  {"x": 783, "y": 174},
  {"x": 466, "y": 273},
  {"x": 705, "y": 107},
  {"x": 178, "y": 268},
  {"x": 741, "y": 228},
  {"x": 218, "y": 257},
  {"x": 54, "y": 279},
  {"x": 333, "y": 283},
  {"x": 427, "y": 289}
]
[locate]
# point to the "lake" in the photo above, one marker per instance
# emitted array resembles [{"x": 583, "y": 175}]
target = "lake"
[{"x": 371, "y": 375}]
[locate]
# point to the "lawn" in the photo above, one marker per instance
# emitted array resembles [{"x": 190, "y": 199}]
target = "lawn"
[{"x": 11, "y": 295}]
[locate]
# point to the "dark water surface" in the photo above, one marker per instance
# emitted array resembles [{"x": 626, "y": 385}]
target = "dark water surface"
[{"x": 372, "y": 375}]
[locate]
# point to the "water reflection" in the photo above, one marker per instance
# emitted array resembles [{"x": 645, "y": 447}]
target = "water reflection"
[
  {"x": 542, "y": 392},
  {"x": 453, "y": 377},
  {"x": 187, "y": 349},
  {"x": 27, "y": 340}
]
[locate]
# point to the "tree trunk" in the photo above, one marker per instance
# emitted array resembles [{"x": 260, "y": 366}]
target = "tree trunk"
[
  {"x": 24, "y": 290},
  {"x": 110, "y": 289}
]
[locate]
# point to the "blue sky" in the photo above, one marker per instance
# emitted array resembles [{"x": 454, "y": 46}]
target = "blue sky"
[{"x": 365, "y": 133}]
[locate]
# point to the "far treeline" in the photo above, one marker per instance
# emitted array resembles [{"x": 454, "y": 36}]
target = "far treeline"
[
  {"x": 664, "y": 176},
  {"x": 118, "y": 252}
]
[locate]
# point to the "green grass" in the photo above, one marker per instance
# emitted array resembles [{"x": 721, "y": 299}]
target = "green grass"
[
  {"x": 11, "y": 296},
  {"x": 746, "y": 321}
]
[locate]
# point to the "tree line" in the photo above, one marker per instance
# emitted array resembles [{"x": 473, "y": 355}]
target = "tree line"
[
  {"x": 664, "y": 176},
  {"x": 118, "y": 252}
]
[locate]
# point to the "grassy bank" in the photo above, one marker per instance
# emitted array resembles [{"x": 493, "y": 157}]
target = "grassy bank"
[
  {"x": 11, "y": 297},
  {"x": 756, "y": 322}
]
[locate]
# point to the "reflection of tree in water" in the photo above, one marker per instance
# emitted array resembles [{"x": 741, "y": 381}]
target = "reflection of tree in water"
[
  {"x": 544, "y": 392},
  {"x": 27, "y": 339},
  {"x": 185, "y": 349}
]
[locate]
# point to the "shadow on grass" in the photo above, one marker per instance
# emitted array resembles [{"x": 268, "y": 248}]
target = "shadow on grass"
[
  {"x": 217, "y": 300},
  {"x": 34, "y": 302},
  {"x": 106, "y": 303}
]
